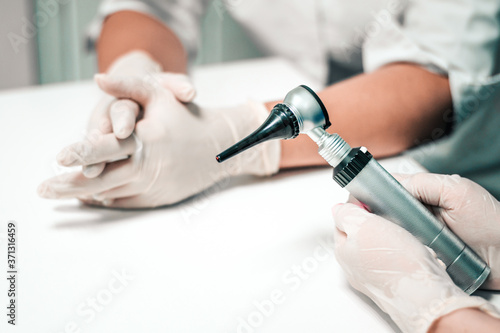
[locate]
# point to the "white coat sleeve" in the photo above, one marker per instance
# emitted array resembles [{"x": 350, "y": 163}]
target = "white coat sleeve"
[
  {"x": 460, "y": 39},
  {"x": 183, "y": 17}
]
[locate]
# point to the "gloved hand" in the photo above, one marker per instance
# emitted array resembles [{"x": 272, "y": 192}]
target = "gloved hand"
[
  {"x": 173, "y": 156},
  {"x": 467, "y": 209},
  {"x": 386, "y": 263},
  {"x": 118, "y": 116}
]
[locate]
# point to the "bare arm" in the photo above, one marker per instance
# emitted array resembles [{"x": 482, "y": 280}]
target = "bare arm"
[
  {"x": 466, "y": 320},
  {"x": 127, "y": 31}
]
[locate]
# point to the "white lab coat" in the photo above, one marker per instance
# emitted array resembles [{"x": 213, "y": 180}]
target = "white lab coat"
[{"x": 460, "y": 39}]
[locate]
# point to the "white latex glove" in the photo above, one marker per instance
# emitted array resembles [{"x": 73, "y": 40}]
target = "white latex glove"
[
  {"x": 467, "y": 209},
  {"x": 386, "y": 263},
  {"x": 118, "y": 116},
  {"x": 173, "y": 156}
]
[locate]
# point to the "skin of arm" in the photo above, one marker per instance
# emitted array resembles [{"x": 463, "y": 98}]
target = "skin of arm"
[
  {"x": 466, "y": 321},
  {"x": 388, "y": 111},
  {"x": 127, "y": 31}
]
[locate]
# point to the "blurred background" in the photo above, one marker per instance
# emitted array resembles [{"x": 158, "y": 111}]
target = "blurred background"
[{"x": 43, "y": 41}]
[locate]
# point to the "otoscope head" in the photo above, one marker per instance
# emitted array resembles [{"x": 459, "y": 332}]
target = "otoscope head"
[
  {"x": 307, "y": 108},
  {"x": 301, "y": 111}
]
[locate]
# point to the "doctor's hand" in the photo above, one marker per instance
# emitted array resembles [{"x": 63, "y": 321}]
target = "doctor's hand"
[
  {"x": 386, "y": 263},
  {"x": 172, "y": 153},
  {"x": 119, "y": 115},
  {"x": 467, "y": 209}
]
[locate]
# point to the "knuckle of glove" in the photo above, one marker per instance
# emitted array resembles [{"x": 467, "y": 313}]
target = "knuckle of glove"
[
  {"x": 83, "y": 151},
  {"x": 121, "y": 106},
  {"x": 456, "y": 190}
]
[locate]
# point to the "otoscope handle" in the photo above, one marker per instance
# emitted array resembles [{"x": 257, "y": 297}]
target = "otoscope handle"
[{"x": 371, "y": 184}]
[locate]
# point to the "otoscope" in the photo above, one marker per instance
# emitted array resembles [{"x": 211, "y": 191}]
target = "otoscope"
[{"x": 359, "y": 173}]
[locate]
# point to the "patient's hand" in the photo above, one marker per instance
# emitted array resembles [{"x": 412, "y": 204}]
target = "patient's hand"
[
  {"x": 119, "y": 115},
  {"x": 172, "y": 154}
]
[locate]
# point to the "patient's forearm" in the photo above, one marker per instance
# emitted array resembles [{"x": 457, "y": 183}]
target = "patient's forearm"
[
  {"x": 388, "y": 111},
  {"x": 126, "y": 31}
]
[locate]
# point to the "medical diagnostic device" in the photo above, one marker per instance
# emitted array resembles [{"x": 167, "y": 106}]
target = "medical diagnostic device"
[{"x": 359, "y": 173}]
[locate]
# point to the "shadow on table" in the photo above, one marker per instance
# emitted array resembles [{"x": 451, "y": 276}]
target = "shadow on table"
[
  {"x": 99, "y": 216},
  {"x": 93, "y": 215}
]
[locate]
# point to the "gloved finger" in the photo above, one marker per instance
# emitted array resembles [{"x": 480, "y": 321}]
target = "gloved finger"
[
  {"x": 93, "y": 170},
  {"x": 124, "y": 191},
  {"x": 430, "y": 188},
  {"x": 100, "y": 121},
  {"x": 370, "y": 236},
  {"x": 73, "y": 185},
  {"x": 349, "y": 218},
  {"x": 123, "y": 113},
  {"x": 90, "y": 201},
  {"x": 179, "y": 84},
  {"x": 99, "y": 124},
  {"x": 125, "y": 87},
  {"x": 104, "y": 149},
  {"x": 338, "y": 235}
]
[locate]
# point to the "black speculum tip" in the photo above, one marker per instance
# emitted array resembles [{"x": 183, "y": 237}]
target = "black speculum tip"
[{"x": 281, "y": 124}]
